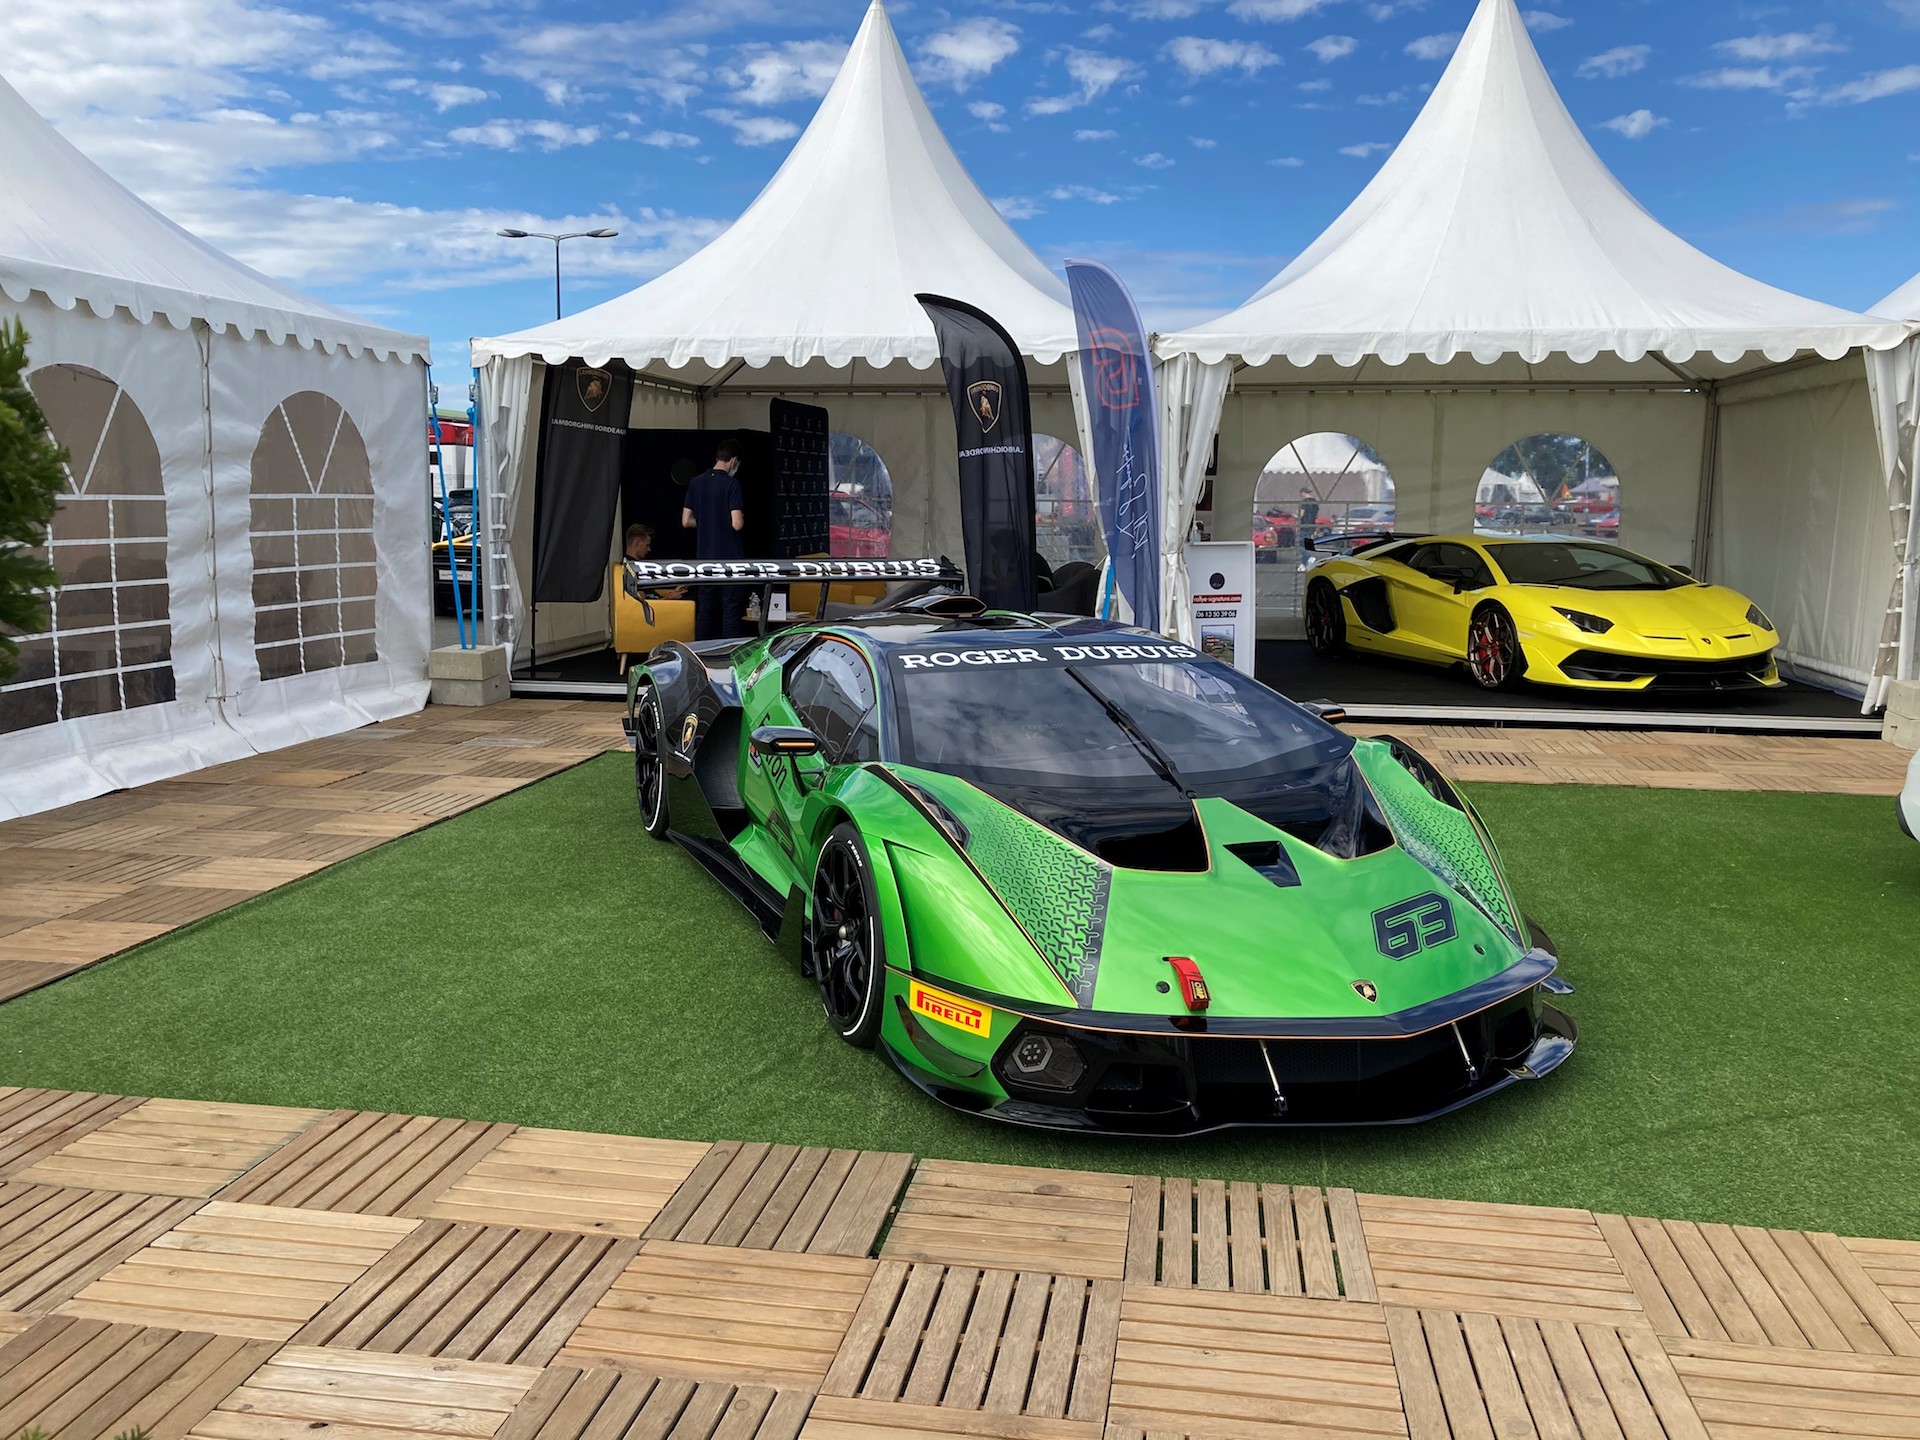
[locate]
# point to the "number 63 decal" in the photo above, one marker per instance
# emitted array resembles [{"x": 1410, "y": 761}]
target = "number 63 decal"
[{"x": 1404, "y": 930}]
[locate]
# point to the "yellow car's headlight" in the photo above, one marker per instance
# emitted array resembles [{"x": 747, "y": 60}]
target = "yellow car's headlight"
[
  {"x": 1580, "y": 620},
  {"x": 1757, "y": 616}
]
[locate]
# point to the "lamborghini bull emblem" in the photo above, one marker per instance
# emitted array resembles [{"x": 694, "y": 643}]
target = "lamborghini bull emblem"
[
  {"x": 594, "y": 385},
  {"x": 689, "y": 728},
  {"x": 984, "y": 398},
  {"x": 1367, "y": 991}
]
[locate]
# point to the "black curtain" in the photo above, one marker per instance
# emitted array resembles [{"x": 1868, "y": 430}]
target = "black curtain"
[
  {"x": 987, "y": 383},
  {"x": 582, "y": 436}
]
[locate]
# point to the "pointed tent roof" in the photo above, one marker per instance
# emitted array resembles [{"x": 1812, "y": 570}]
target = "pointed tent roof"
[
  {"x": 1902, "y": 304},
  {"x": 1494, "y": 229},
  {"x": 871, "y": 206},
  {"x": 71, "y": 233}
]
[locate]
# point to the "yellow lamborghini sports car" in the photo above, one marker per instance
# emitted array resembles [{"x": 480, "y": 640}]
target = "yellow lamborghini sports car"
[{"x": 1555, "y": 612}]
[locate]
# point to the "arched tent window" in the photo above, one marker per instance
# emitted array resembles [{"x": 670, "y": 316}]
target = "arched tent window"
[
  {"x": 313, "y": 552},
  {"x": 1321, "y": 484},
  {"x": 1549, "y": 485},
  {"x": 859, "y": 499},
  {"x": 109, "y": 641},
  {"x": 1066, "y": 505}
]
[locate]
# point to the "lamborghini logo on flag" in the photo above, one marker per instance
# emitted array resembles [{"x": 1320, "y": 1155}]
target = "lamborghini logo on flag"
[
  {"x": 984, "y": 397},
  {"x": 1367, "y": 991},
  {"x": 950, "y": 1009},
  {"x": 594, "y": 385}
]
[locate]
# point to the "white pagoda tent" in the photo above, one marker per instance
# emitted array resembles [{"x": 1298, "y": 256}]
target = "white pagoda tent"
[
  {"x": 808, "y": 296},
  {"x": 242, "y": 544},
  {"x": 1496, "y": 281}
]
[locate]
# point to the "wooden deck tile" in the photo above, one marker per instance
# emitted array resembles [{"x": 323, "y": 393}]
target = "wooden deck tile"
[
  {"x": 1256, "y": 1239},
  {"x": 782, "y": 1197},
  {"x": 35, "y": 1123},
  {"x": 75, "y": 942},
  {"x": 1010, "y": 1217},
  {"x": 1893, "y": 1265},
  {"x": 1263, "y": 1367},
  {"x": 1485, "y": 1376},
  {"x": 1758, "y": 1287},
  {"x": 559, "y": 1180},
  {"x": 368, "y": 1163},
  {"x": 302, "y": 1393},
  {"x": 248, "y": 1270},
  {"x": 569, "y": 1404},
  {"x": 968, "y": 1339},
  {"x": 53, "y": 1240},
  {"x": 17, "y": 977},
  {"x": 1750, "y": 1392},
  {"x": 87, "y": 1380},
  {"x": 171, "y": 1147},
  {"x": 1499, "y": 1259},
  {"x": 703, "y": 1312},
  {"x": 835, "y": 1419},
  {"x": 473, "y": 1292}
]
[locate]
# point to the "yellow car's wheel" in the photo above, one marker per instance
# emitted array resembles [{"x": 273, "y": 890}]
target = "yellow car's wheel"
[
  {"x": 1326, "y": 619},
  {"x": 1495, "y": 658}
]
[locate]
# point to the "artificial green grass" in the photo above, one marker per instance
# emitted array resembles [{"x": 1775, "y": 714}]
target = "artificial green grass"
[{"x": 1748, "y": 970}]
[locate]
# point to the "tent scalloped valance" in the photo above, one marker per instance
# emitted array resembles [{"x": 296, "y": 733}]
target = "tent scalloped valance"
[
  {"x": 754, "y": 353},
  {"x": 1304, "y": 350}
]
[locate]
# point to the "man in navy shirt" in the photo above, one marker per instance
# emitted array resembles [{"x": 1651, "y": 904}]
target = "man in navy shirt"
[{"x": 714, "y": 514}]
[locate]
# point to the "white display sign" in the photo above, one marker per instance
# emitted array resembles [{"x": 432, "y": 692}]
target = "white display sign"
[{"x": 1220, "y": 573}]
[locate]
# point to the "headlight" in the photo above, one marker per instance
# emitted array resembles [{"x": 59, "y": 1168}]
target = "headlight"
[
  {"x": 1757, "y": 616},
  {"x": 1580, "y": 620}
]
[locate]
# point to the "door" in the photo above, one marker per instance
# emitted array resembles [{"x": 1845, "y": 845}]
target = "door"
[
  {"x": 1434, "y": 592},
  {"x": 830, "y": 690}
]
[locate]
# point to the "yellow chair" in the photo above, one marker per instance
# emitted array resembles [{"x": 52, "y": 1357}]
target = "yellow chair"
[{"x": 632, "y": 633}]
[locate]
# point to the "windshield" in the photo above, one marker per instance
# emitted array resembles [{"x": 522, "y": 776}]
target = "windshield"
[{"x": 1588, "y": 567}]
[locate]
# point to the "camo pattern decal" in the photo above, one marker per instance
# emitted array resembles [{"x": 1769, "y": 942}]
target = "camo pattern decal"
[
  {"x": 1056, "y": 891},
  {"x": 1440, "y": 837}
]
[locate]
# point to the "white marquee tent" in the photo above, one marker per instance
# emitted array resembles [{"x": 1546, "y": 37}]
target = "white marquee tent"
[
  {"x": 1495, "y": 281},
  {"x": 807, "y": 296},
  {"x": 242, "y": 546},
  {"x": 1902, "y": 304}
]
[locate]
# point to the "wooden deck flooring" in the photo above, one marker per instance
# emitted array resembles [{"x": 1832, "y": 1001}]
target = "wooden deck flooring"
[{"x": 337, "y": 1287}]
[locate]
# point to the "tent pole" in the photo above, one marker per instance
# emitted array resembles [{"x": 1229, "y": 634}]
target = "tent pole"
[{"x": 1709, "y": 481}]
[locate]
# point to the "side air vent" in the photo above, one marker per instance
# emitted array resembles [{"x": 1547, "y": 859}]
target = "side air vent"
[{"x": 1269, "y": 857}]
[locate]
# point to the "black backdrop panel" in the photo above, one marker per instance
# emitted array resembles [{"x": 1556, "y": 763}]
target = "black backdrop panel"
[
  {"x": 580, "y": 469},
  {"x": 653, "y": 486},
  {"x": 801, "y": 467}
]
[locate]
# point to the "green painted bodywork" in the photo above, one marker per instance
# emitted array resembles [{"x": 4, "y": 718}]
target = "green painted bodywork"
[{"x": 1028, "y": 938}]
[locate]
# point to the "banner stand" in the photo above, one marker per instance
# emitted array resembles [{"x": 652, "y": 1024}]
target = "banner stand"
[{"x": 1221, "y": 600}]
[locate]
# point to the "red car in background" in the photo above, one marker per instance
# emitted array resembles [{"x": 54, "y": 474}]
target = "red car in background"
[{"x": 856, "y": 530}]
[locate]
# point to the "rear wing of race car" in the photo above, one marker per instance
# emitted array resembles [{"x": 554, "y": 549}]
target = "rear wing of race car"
[
  {"x": 766, "y": 576},
  {"x": 1356, "y": 542}
]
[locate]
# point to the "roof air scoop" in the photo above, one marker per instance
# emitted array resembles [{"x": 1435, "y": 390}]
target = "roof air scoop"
[{"x": 1269, "y": 858}]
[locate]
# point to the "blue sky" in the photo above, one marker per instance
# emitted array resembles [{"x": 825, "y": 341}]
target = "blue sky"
[{"x": 367, "y": 150}]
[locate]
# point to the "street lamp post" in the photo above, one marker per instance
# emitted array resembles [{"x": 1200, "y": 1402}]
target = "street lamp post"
[{"x": 556, "y": 239}]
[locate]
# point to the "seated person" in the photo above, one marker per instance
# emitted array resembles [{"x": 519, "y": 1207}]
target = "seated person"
[{"x": 639, "y": 546}]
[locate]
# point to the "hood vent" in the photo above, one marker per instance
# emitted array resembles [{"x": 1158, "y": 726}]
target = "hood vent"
[{"x": 1269, "y": 857}]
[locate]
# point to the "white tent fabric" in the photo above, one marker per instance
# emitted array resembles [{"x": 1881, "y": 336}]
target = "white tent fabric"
[
  {"x": 1902, "y": 304},
  {"x": 176, "y": 422},
  {"x": 1495, "y": 280},
  {"x": 809, "y": 294}
]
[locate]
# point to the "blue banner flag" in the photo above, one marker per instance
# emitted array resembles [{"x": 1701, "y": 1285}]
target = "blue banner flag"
[{"x": 1117, "y": 372}]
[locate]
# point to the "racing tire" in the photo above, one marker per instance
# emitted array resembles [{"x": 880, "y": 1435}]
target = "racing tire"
[
  {"x": 849, "y": 953},
  {"x": 1495, "y": 658},
  {"x": 1326, "y": 620},
  {"x": 650, "y": 761}
]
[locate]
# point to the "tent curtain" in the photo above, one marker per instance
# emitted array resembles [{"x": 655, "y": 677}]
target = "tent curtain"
[
  {"x": 506, "y": 388},
  {"x": 1192, "y": 392},
  {"x": 1893, "y": 382}
]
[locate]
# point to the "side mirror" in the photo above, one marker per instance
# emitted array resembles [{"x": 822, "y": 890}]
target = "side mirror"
[
  {"x": 1686, "y": 570},
  {"x": 1328, "y": 711},
  {"x": 792, "y": 741}
]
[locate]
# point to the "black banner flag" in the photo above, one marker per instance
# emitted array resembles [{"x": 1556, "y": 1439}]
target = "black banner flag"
[
  {"x": 988, "y": 385},
  {"x": 579, "y": 484}
]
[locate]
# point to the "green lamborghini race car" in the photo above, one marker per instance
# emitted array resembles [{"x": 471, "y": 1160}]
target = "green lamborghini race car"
[{"x": 1067, "y": 873}]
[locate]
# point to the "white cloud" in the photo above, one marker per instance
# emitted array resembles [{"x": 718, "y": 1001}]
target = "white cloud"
[
  {"x": 1315, "y": 86},
  {"x": 1095, "y": 73},
  {"x": 1154, "y": 160},
  {"x": 513, "y": 134},
  {"x": 1017, "y": 207},
  {"x": 1877, "y": 86},
  {"x": 755, "y": 129},
  {"x": 1365, "y": 151},
  {"x": 986, "y": 109},
  {"x": 1794, "y": 45},
  {"x": 1083, "y": 192},
  {"x": 1202, "y": 142},
  {"x": 1287, "y": 162},
  {"x": 1385, "y": 12},
  {"x": 1434, "y": 47},
  {"x": 1329, "y": 48},
  {"x": 1612, "y": 64},
  {"x": 966, "y": 52},
  {"x": 1096, "y": 134},
  {"x": 669, "y": 139},
  {"x": 1277, "y": 9},
  {"x": 795, "y": 70},
  {"x": 1099, "y": 33},
  {"x": 1392, "y": 97},
  {"x": 1156, "y": 9},
  {"x": 1545, "y": 22},
  {"x": 1635, "y": 125},
  {"x": 445, "y": 96},
  {"x": 1199, "y": 56},
  {"x": 1763, "y": 77}
]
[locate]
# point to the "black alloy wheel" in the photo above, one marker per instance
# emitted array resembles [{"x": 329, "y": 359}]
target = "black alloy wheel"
[
  {"x": 849, "y": 957},
  {"x": 1326, "y": 619},
  {"x": 1495, "y": 659},
  {"x": 649, "y": 762}
]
